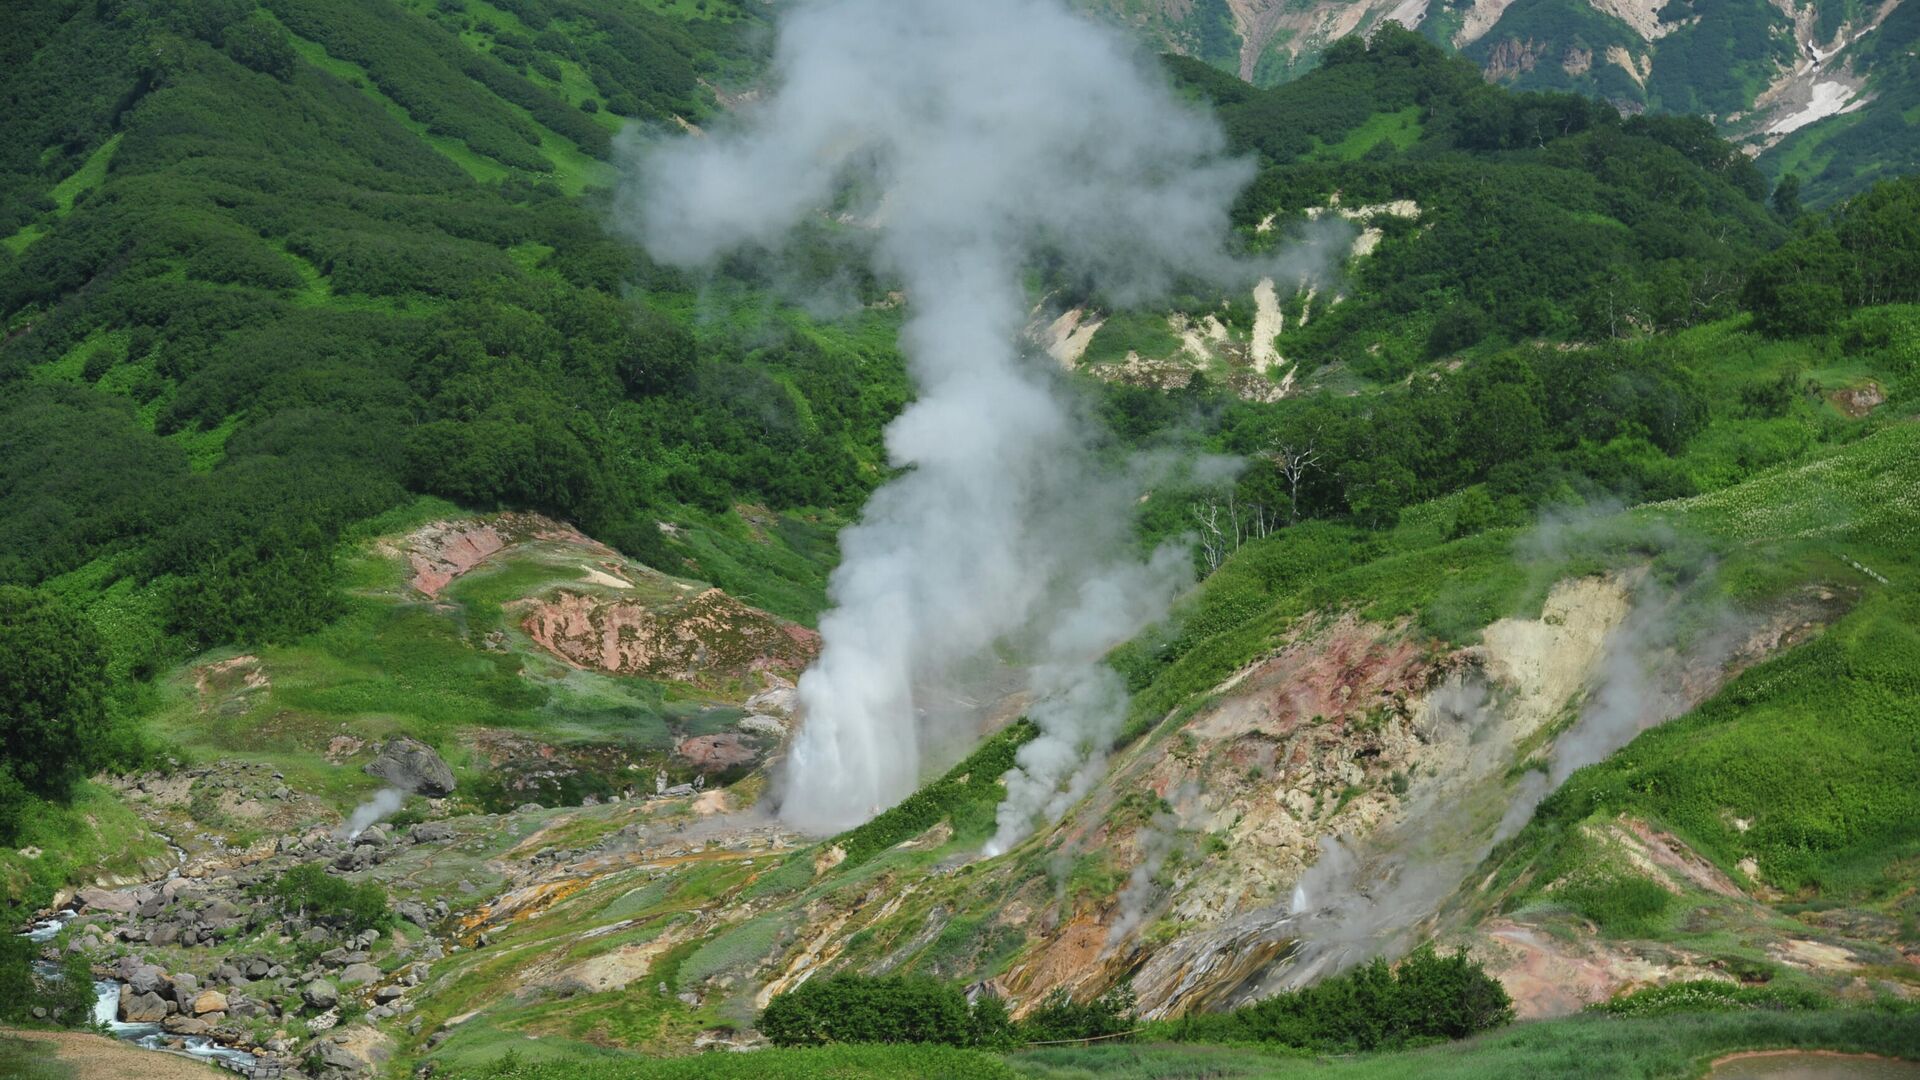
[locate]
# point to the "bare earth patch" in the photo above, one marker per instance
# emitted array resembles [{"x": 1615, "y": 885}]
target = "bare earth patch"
[
  {"x": 708, "y": 640},
  {"x": 97, "y": 1057}
]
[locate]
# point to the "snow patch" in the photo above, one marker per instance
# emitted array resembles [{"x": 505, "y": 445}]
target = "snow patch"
[{"x": 1828, "y": 99}]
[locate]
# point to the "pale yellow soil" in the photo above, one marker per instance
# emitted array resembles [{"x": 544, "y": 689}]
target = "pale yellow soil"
[{"x": 97, "y": 1057}]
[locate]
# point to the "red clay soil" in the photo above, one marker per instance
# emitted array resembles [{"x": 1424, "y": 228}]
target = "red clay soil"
[{"x": 709, "y": 639}]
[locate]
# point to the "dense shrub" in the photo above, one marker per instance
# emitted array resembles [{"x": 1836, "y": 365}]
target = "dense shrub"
[
  {"x": 888, "y": 1009},
  {"x": 308, "y": 890},
  {"x": 1425, "y": 998},
  {"x": 1059, "y": 1018},
  {"x": 53, "y": 701},
  {"x": 66, "y": 1000}
]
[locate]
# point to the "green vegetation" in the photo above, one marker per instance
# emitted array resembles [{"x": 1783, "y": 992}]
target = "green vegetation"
[
  {"x": 888, "y": 1009},
  {"x": 55, "y": 728},
  {"x": 1828, "y": 809},
  {"x": 25, "y": 1060},
  {"x": 1867, "y": 253},
  {"x": 1588, "y": 1047},
  {"x": 965, "y": 797},
  {"x": 1059, "y": 1018},
  {"x": 1578, "y": 1048},
  {"x": 299, "y": 312},
  {"x": 1378, "y": 1006},
  {"x": 1711, "y": 995},
  {"x": 27, "y": 996},
  {"x": 823, "y": 1063},
  {"x": 1540, "y": 215},
  {"x": 309, "y": 891}
]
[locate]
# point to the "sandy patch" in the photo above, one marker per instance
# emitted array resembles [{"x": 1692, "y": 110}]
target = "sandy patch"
[
  {"x": 1067, "y": 337},
  {"x": 1549, "y": 977},
  {"x": 614, "y": 970},
  {"x": 1267, "y": 324},
  {"x": 1814, "y": 955},
  {"x": 1548, "y": 660},
  {"x": 97, "y": 1057},
  {"x": 597, "y": 576}
]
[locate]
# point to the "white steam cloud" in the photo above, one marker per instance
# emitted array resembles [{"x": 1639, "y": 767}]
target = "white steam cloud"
[
  {"x": 385, "y": 803},
  {"x": 1375, "y": 897},
  {"x": 967, "y": 140}
]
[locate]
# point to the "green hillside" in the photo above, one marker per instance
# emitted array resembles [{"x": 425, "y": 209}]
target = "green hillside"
[{"x": 338, "y": 406}]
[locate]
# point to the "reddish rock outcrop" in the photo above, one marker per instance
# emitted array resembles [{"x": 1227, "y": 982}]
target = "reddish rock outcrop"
[{"x": 709, "y": 639}]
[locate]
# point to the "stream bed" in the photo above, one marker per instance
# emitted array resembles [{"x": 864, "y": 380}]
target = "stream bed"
[{"x": 106, "y": 1012}]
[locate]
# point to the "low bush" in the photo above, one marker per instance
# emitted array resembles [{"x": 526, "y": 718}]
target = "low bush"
[
  {"x": 1712, "y": 995},
  {"x": 309, "y": 890},
  {"x": 66, "y": 1000},
  {"x": 1426, "y": 998},
  {"x": 1061, "y": 1019},
  {"x": 888, "y": 1009}
]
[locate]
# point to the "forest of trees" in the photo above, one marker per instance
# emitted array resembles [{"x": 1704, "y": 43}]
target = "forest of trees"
[{"x": 324, "y": 265}]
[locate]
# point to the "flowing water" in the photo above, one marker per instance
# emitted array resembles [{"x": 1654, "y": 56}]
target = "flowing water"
[{"x": 106, "y": 1009}]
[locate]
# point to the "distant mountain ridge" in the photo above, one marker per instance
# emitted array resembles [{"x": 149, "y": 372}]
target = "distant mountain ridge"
[{"x": 1827, "y": 89}]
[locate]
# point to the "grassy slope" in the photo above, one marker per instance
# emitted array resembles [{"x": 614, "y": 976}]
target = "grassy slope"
[
  {"x": 1803, "y": 765},
  {"x": 394, "y": 663},
  {"x": 1452, "y": 586},
  {"x": 1582, "y": 1047}
]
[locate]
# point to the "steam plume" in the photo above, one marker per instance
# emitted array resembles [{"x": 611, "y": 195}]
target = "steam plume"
[
  {"x": 385, "y": 803},
  {"x": 1373, "y": 897},
  {"x": 968, "y": 139}
]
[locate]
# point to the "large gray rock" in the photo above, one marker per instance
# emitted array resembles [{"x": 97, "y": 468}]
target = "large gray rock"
[
  {"x": 136, "y": 1008},
  {"x": 359, "y": 974},
  {"x": 335, "y": 1056},
  {"x": 412, "y": 765},
  {"x": 120, "y": 903},
  {"x": 427, "y": 832},
  {"x": 147, "y": 979},
  {"x": 320, "y": 994}
]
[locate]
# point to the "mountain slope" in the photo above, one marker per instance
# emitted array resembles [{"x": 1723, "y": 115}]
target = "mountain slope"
[
  {"x": 1779, "y": 79},
  {"x": 332, "y": 401}
]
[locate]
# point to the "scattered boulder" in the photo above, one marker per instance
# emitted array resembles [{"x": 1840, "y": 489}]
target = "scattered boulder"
[
  {"x": 209, "y": 1001},
  {"x": 139, "y": 1008},
  {"x": 119, "y": 903},
  {"x": 357, "y": 1050},
  {"x": 147, "y": 979},
  {"x": 359, "y": 974},
  {"x": 183, "y": 1024},
  {"x": 320, "y": 994},
  {"x": 412, "y": 765},
  {"x": 428, "y": 832},
  {"x": 335, "y": 1056}
]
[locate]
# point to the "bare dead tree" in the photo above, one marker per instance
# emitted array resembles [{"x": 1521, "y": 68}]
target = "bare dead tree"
[
  {"x": 1213, "y": 539},
  {"x": 1294, "y": 463}
]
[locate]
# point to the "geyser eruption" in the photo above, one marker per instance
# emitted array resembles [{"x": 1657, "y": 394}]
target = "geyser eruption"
[{"x": 965, "y": 140}]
